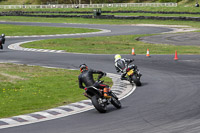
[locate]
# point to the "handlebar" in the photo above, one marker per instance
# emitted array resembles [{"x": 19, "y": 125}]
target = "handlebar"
[{"x": 100, "y": 81}]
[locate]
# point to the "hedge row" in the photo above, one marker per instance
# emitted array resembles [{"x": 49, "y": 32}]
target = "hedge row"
[{"x": 113, "y": 17}]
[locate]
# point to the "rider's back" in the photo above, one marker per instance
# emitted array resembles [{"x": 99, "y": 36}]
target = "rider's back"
[{"x": 87, "y": 77}]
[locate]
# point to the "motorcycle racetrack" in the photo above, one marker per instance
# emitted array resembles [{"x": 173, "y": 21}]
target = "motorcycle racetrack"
[{"x": 167, "y": 101}]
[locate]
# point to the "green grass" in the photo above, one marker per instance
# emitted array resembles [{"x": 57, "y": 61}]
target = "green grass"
[
  {"x": 180, "y": 8},
  {"x": 13, "y": 30},
  {"x": 123, "y": 14},
  {"x": 154, "y": 14},
  {"x": 25, "y": 89},
  {"x": 113, "y": 44},
  {"x": 194, "y": 24}
]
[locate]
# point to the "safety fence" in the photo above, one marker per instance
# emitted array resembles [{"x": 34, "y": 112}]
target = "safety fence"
[{"x": 90, "y": 5}]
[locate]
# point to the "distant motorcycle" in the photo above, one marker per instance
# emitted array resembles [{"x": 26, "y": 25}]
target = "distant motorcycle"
[
  {"x": 2, "y": 41},
  {"x": 133, "y": 74},
  {"x": 1, "y": 45},
  {"x": 99, "y": 101}
]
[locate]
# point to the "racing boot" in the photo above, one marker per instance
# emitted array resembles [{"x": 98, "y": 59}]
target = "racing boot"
[
  {"x": 106, "y": 95},
  {"x": 123, "y": 77}
]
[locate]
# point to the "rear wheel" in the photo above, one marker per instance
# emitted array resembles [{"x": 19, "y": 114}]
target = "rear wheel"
[
  {"x": 115, "y": 102},
  {"x": 98, "y": 104},
  {"x": 1, "y": 46}
]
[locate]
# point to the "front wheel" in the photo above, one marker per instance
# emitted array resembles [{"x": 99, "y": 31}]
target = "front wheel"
[
  {"x": 98, "y": 104},
  {"x": 136, "y": 80},
  {"x": 115, "y": 102}
]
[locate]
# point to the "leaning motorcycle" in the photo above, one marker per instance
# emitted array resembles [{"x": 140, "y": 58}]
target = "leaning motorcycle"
[
  {"x": 133, "y": 74},
  {"x": 1, "y": 45},
  {"x": 99, "y": 101},
  {"x": 2, "y": 41}
]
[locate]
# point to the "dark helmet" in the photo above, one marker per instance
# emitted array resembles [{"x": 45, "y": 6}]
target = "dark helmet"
[{"x": 83, "y": 67}]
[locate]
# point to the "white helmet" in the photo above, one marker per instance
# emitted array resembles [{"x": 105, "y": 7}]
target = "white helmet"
[{"x": 3, "y": 35}]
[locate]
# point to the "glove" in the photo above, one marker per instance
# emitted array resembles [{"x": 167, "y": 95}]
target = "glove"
[{"x": 132, "y": 60}]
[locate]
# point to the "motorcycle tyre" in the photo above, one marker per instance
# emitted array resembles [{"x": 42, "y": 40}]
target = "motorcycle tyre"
[
  {"x": 136, "y": 81},
  {"x": 115, "y": 102},
  {"x": 97, "y": 106},
  {"x": 1, "y": 46}
]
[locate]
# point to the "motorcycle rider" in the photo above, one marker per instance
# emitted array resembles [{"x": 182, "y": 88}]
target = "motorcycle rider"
[
  {"x": 86, "y": 77},
  {"x": 2, "y": 40},
  {"x": 121, "y": 64}
]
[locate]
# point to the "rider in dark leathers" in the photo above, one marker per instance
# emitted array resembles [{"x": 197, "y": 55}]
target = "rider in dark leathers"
[
  {"x": 86, "y": 77},
  {"x": 2, "y": 40}
]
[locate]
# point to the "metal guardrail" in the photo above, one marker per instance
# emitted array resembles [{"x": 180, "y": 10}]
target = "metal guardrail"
[{"x": 90, "y": 5}]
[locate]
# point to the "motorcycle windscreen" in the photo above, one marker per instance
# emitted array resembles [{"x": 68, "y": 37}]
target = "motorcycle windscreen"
[{"x": 121, "y": 64}]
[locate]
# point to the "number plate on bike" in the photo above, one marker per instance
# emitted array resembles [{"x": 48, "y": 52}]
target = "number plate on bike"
[{"x": 130, "y": 72}]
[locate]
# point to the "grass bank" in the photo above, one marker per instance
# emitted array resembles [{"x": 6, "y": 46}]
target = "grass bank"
[
  {"x": 25, "y": 89},
  {"x": 124, "y": 14},
  {"x": 154, "y": 14},
  {"x": 113, "y": 44},
  {"x": 184, "y": 8},
  {"x": 98, "y": 21},
  {"x": 18, "y": 30}
]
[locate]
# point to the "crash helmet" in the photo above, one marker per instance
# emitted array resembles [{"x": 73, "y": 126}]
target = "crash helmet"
[
  {"x": 117, "y": 56},
  {"x": 2, "y": 35},
  {"x": 83, "y": 67}
]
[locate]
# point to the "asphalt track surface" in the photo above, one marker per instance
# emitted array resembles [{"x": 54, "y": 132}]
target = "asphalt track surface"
[
  {"x": 177, "y": 39},
  {"x": 168, "y": 100}
]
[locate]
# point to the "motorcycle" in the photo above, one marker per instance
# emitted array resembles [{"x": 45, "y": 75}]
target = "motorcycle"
[
  {"x": 2, "y": 41},
  {"x": 99, "y": 101},
  {"x": 133, "y": 74},
  {"x": 1, "y": 45}
]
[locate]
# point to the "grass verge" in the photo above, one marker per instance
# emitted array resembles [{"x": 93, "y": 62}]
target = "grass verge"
[
  {"x": 25, "y": 89},
  {"x": 154, "y": 14},
  {"x": 124, "y": 14},
  {"x": 113, "y": 44},
  {"x": 18, "y": 30},
  {"x": 194, "y": 24},
  {"x": 190, "y": 8}
]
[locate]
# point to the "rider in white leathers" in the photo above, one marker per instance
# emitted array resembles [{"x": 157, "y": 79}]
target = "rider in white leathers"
[{"x": 121, "y": 64}]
